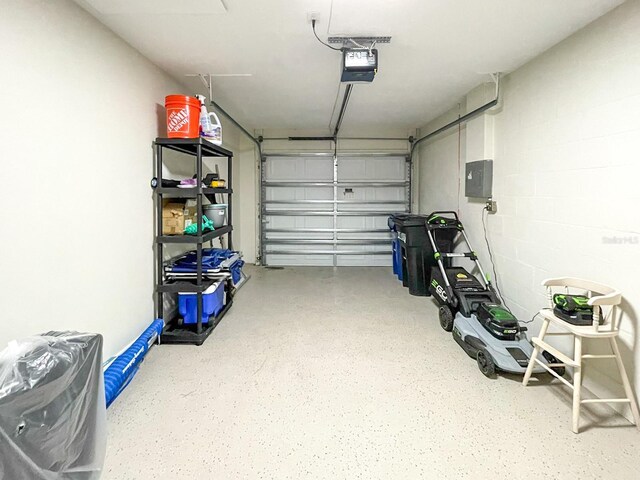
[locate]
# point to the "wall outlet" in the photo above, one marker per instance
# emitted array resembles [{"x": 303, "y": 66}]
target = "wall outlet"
[
  {"x": 491, "y": 206},
  {"x": 313, "y": 16}
]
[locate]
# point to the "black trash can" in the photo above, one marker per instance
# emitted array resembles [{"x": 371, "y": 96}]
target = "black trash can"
[
  {"x": 417, "y": 254},
  {"x": 417, "y": 259}
]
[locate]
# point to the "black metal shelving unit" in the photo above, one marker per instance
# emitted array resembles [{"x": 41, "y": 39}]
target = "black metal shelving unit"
[{"x": 198, "y": 149}]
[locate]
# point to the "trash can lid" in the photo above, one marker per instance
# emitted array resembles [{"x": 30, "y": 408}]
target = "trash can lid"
[
  {"x": 403, "y": 220},
  {"x": 396, "y": 219}
]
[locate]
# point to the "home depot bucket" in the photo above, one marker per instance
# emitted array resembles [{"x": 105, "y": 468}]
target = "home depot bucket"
[{"x": 183, "y": 116}]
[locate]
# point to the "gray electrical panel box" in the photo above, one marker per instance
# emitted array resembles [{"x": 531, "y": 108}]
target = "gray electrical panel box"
[{"x": 479, "y": 179}]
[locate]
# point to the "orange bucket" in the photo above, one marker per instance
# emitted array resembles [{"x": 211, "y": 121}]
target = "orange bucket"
[{"x": 183, "y": 116}]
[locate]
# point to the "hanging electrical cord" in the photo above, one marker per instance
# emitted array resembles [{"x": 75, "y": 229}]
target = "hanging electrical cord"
[
  {"x": 493, "y": 268},
  {"x": 532, "y": 319},
  {"x": 493, "y": 265},
  {"x": 313, "y": 26},
  {"x": 357, "y": 44}
]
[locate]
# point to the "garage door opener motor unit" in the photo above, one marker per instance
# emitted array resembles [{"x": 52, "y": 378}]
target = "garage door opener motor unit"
[
  {"x": 359, "y": 64},
  {"x": 483, "y": 327}
]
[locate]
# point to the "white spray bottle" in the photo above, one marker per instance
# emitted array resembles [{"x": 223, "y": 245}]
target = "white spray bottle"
[{"x": 209, "y": 130}]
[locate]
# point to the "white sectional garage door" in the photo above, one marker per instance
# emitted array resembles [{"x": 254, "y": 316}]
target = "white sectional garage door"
[{"x": 318, "y": 209}]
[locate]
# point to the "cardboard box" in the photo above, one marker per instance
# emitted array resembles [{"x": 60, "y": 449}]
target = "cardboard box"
[
  {"x": 190, "y": 212},
  {"x": 177, "y": 215}
]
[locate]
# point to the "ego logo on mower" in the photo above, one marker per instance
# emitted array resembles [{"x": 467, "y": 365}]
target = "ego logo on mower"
[{"x": 439, "y": 290}]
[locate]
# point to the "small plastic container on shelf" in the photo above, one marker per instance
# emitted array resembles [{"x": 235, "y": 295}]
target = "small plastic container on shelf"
[
  {"x": 212, "y": 304},
  {"x": 217, "y": 213}
]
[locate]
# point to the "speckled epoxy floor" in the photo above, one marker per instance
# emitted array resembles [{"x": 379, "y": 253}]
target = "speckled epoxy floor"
[{"x": 318, "y": 373}]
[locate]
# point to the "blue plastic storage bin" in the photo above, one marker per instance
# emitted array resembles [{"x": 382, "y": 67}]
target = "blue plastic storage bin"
[
  {"x": 396, "y": 248},
  {"x": 212, "y": 304},
  {"x": 236, "y": 271},
  {"x": 397, "y": 256}
]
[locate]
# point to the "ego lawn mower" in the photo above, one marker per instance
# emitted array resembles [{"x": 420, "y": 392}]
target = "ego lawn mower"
[{"x": 484, "y": 328}]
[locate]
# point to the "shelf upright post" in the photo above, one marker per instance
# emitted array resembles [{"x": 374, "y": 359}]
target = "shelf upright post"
[
  {"x": 159, "y": 246},
  {"x": 229, "y": 198},
  {"x": 200, "y": 233}
]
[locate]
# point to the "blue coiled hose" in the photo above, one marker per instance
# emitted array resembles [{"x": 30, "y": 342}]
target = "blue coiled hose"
[{"x": 121, "y": 371}]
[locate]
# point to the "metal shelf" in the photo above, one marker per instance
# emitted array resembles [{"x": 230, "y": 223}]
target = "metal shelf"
[
  {"x": 195, "y": 238},
  {"x": 190, "y": 192},
  {"x": 188, "y": 334},
  {"x": 174, "y": 332},
  {"x": 190, "y": 146}
]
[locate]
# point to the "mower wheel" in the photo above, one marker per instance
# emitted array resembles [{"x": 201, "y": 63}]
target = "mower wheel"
[
  {"x": 551, "y": 359},
  {"x": 446, "y": 318},
  {"x": 486, "y": 363}
]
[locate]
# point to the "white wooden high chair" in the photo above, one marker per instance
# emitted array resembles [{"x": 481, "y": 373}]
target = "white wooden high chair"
[{"x": 605, "y": 326}]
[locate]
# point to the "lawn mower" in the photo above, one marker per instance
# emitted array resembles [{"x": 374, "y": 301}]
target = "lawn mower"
[{"x": 481, "y": 325}]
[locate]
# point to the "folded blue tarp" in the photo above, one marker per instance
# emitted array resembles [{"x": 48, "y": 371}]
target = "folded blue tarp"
[{"x": 212, "y": 259}]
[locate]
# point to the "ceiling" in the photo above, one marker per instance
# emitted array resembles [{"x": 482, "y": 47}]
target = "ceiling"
[{"x": 440, "y": 50}]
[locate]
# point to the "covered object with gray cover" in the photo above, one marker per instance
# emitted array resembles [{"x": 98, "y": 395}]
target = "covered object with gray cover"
[{"x": 52, "y": 408}]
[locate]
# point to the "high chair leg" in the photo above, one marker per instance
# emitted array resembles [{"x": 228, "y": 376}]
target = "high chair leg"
[
  {"x": 625, "y": 382},
  {"x": 577, "y": 383},
  {"x": 534, "y": 355}
]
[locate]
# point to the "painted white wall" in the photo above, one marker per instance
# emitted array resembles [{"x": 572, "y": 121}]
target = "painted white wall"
[
  {"x": 565, "y": 144},
  {"x": 80, "y": 111},
  {"x": 245, "y": 225}
]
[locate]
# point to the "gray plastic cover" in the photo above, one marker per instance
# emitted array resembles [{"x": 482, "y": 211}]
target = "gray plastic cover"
[{"x": 52, "y": 408}]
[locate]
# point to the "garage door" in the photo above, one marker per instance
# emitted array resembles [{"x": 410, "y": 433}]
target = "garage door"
[{"x": 327, "y": 210}]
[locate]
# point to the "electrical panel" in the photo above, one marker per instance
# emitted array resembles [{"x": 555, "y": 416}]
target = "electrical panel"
[
  {"x": 359, "y": 65},
  {"x": 479, "y": 179}
]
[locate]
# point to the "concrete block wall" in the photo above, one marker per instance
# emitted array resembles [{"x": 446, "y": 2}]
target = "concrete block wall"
[{"x": 566, "y": 148}]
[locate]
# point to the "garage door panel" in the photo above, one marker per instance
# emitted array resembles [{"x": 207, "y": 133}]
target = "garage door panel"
[
  {"x": 381, "y": 236},
  {"x": 372, "y": 193},
  {"x": 362, "y": 222},
  {"x": 369, "y": 209},
  {"x": 298, "y": 260},
  {"x": 280, "y": 169},
  {"x": 372, "y": 168},
  {"x": 284, "y": 236},
  {"x": 299, "y": 193},
  {"x": 274, "y": 222},
  {"x": 376, "y": 256},
  {"x": 344, "y": 221}
]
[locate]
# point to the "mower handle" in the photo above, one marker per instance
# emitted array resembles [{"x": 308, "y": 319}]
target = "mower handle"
[{"x": 446, "y": 212}]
